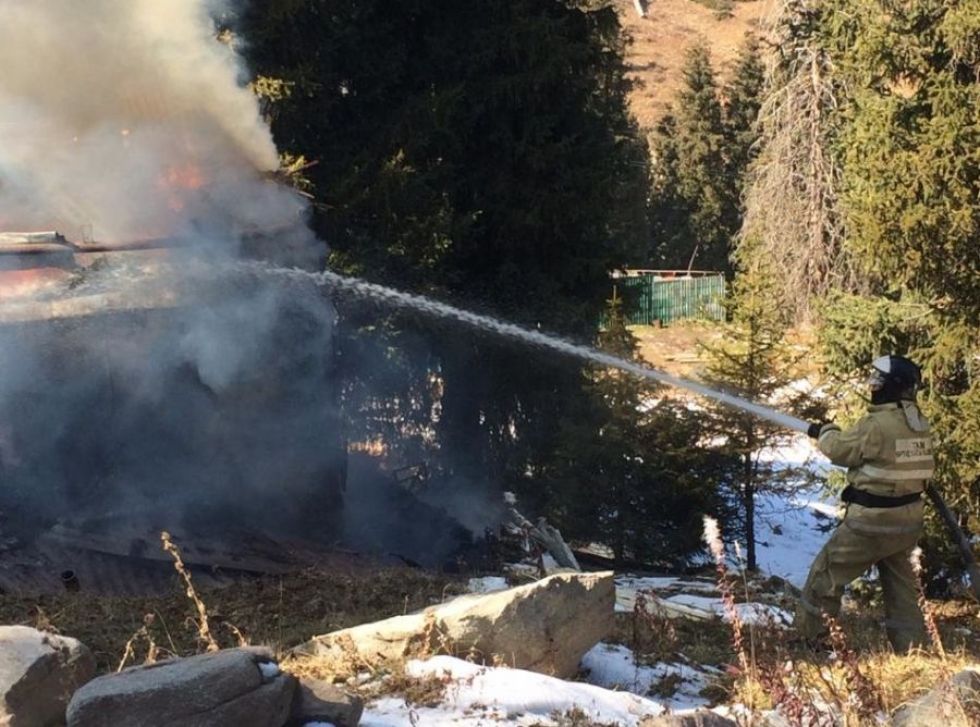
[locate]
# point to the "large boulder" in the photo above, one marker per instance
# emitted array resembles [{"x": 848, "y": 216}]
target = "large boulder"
[
  {"x": 231, "y": 688},
  {"x": 545, "y": 626},
  {"x": 320, "y": 701},
  {"x": 954, "y": 703},
  {"x": 38, "y": 674}
]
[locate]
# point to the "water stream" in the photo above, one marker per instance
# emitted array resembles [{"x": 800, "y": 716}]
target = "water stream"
[{"x": 398, "y": 299}]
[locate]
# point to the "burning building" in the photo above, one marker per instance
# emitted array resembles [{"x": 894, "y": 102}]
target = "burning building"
[
  {"x": 149, "y": 380},
  {"x": 136, "y": 399}
]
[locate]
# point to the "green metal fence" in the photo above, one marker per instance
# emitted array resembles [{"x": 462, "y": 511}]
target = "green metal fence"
[{"x": 652, "y": 297}]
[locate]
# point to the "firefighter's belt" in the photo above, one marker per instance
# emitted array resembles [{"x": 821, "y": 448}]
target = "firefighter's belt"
[{"x": 866, "y": 499}]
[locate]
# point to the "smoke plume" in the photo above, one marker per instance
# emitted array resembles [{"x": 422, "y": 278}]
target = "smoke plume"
[
  {"x": 125, "y": 119},
  {"x": 205, "y": 399}
]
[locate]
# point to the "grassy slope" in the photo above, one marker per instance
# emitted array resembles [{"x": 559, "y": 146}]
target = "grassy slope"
[{"x": 661, "y": 39}]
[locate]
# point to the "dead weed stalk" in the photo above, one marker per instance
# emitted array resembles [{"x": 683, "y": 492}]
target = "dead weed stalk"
[
  {"x": 203, "y": 627},
  {"x": 648, "y": 629},
  {"x": 783, "y": 687},
  {"x": 863, "y": 692},
  {"x": 915, "y": 558},
  {"x": 141, "y": 634},
  {"x": 712, "y": 537}
]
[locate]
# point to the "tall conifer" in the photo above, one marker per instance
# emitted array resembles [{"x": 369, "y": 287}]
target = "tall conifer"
[{"x": 695, "y": 198}]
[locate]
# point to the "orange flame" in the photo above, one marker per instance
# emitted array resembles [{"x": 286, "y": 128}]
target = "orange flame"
[
  {"x": 180, "y": 178},
  {"x": 184, "y": 176}
]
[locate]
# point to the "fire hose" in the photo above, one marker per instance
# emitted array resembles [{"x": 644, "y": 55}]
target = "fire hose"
[{"x": 960, "y": 540}]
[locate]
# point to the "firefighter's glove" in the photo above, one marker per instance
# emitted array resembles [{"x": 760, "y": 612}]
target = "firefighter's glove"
[{"x": 814, "y": 429}]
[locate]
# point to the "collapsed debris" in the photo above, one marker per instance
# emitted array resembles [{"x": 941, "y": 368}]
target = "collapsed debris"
[{"x": 535, "y": 540}]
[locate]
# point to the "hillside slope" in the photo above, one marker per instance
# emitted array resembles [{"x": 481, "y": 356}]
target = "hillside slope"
[{"x": 660, "y": 40}]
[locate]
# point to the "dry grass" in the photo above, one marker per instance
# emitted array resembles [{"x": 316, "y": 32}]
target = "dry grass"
[
  {"x": 679, "y": 348},
  {"x": 676, "y": 348},
  {"x": 856, "y": 686},
  {"x": 574, "y": 718},
  {"x": 661, "y": 39},
  {"x": 896, "y": 679},
  {"x": 862, "y": 679},
  {"x": 280, "y": 612},
  {"x": 859, "y": 683}
]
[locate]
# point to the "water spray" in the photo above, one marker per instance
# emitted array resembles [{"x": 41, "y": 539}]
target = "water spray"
[{"x": 400, "y": 299}]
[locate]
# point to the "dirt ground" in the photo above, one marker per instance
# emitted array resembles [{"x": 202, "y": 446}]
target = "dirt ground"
[{"x": 675, "y": 348}]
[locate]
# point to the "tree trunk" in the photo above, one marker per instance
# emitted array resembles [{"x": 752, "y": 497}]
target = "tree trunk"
[{"x": 748, "y": 495}]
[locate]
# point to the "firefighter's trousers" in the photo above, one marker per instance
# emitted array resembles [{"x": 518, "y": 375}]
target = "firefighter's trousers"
[{"x": 848, "y": 554}]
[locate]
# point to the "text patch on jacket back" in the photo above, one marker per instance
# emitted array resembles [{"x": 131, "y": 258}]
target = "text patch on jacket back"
[{"x": 913, "y": 450}]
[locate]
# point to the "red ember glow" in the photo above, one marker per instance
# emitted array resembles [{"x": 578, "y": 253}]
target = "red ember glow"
[{"x": 178, "y": 179}]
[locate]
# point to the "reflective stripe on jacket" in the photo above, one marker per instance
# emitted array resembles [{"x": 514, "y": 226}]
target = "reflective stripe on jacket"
[{"x": 883, "y": 456}]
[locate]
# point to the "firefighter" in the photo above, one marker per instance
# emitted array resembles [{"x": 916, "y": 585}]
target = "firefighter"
[{"x": 888, "y": 455}]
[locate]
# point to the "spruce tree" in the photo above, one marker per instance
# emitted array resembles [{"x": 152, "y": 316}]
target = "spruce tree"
[
  {"x": 911, "y": 200},
  {"x": 867, "y": 193},
  {"x": 790, "y": 200},
  {"x": 695, "y": 197},
  {"x": 754, "y": 361},
  {"x": 743, "y": 100},
  {"x": 629, "y": 469},
  {"x": 481, "y": 153}
]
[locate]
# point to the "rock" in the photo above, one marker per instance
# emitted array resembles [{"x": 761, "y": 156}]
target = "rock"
[
  {"x": 955, "y": 703},
  {"x": 320, "y": 701},
  {"x": 697, "y": 718},
  {"x": 38, "y": 674},
  {"x": 545, "y": 626},
  {"x": 231, "y": 688}
]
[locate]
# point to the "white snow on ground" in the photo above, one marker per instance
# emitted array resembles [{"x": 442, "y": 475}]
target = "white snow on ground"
[
  {"x": 487, "y": 584},
  {"x": 481, "y": 695},
  {"x": 628, "y": 586},
  {"x": 792, "y": 528},
  {"x": 753, "y": 613},
  {"x": 657, "y": 583},
  {"x": 613, "y": 666},
  {"x": 269, "y": 669}
]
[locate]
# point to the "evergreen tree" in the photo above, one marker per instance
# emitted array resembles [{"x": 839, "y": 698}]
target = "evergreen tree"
[
  {"x": 695, "y": 198},
  {"x": 744, "y": 99},
  {"x": 790, "y": 200},
  {"x": 754, "y": 361},
  {"x": 478, "y": 152},
  {"x": 911, "y": 158},
  {"x": 629, "y": 469}
]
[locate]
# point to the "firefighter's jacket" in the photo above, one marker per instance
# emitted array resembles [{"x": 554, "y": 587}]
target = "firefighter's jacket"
[{"x": 887, "y": 457}]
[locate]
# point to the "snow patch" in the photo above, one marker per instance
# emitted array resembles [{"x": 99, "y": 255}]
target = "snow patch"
[
  {"x": 487, "y": 584},
  {"x": 627, "y": 588},
  {"x": 750, "y": 613},
  {"x": 791, "y": 528},
  {"x": 269, "y": 669},
  {"x": 480, "y": 695},
  {"x": 615, "y": 667}
]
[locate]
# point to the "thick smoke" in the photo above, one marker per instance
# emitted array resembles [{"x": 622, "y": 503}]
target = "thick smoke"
[
  {"x": 205, "y": 400},
  {"x": 126, "y": 119}
]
